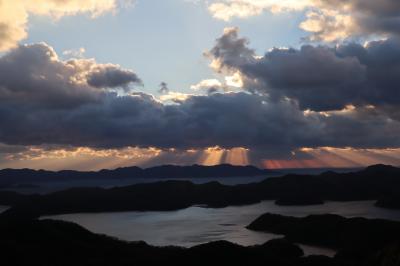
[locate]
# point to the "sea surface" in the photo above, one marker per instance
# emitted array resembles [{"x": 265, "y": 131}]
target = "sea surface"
[{"x": 197, "y": 225}]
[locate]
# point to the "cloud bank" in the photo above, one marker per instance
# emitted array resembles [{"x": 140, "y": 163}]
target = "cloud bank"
[
  {"x": 47, "y": 101},
  {"x": 289, "y": 102},
  {"x": 319, "y": 78}
]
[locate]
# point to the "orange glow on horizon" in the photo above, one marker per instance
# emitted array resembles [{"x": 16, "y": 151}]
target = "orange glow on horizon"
[
  {"x": 281, "y": 164},
  {"x": 87, "y": 159},
  {"x": 338, "y": 157}
]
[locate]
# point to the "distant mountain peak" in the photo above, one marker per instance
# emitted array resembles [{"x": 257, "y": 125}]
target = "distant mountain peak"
[{"x": 15, "y": 176}]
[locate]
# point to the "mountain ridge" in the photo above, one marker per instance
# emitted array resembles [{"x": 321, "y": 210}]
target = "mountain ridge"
[{"x": 11, "y": 176}]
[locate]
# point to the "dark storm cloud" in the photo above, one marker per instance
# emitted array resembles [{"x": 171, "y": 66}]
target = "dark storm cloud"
[
  {"x": 111, "y": 76},
  {"x": 227, "y": 120},
  {"x": 318, "y": 77},
  {"x": 30, "y": 114},
  {"x": 11, "y": 149},
  {"x": 232, "y": 50},
  {"x": 33, "y": 75},
  {"x": 380, "y": 16}
]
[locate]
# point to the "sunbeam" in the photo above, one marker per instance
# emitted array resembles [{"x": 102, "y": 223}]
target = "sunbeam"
[{"x": 237, "y": 156}]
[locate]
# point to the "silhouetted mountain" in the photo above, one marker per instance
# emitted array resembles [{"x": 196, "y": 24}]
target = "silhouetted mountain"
[{"x": 16, "y": 176}]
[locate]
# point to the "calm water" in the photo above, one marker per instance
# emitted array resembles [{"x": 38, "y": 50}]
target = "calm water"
[{"x": 196, "y": 225}]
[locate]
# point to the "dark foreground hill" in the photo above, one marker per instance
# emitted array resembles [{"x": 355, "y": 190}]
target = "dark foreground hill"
[
  {"x": 373, "y": 183},
  {"x": 26, "y": 176},
  {"x": 57, "y": 243},
  {"x": 53, "y": 243}
]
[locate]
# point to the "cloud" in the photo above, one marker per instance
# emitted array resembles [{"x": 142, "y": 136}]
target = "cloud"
[
  {"x": 228, "y": 9},
  {"x": 174, "y": 97},
  {"x": 320, "y": 78},
  {"x": 77, "y": 158},
  {"x": 45, "y": 101},
  {"x": 231, "y": 49},
  {"x": 209, "y": 85},
  {"x": 34, "y": 75},
  {"x": 329, "y": 25},
  {"x": 78, "y": 53},
  {"x": 326, "y": 20},
  {"x": 111, "y": 76},
  {"x": 163, "y": 88},
  {"x": 339, "y": 19},
  {"x": 14, "y": 15}
]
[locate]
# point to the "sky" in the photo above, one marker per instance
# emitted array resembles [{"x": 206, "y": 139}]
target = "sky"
[{"x": 276, "y": 84}]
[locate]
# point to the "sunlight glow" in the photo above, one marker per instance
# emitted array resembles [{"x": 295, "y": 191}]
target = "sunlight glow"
[
  {"x": 237, "y": 156},
  {"x": 280, "y": 164},
  {"x": 212, "y": 156},
  {"x": 217, "y": 155},
  {"x": 84, "y": 158},
  {"x": 79, "y": 158},
  {"x": 339, "y": 157}
]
